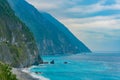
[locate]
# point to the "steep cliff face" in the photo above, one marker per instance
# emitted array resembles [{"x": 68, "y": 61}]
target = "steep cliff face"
[
  {"x": 17, "y": 45},
  {"x": 52, "y": 37}
]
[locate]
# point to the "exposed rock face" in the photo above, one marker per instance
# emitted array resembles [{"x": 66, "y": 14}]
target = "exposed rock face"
[
  {"x": 52, "y": 37},
  {"x": 17, "y": 45}
]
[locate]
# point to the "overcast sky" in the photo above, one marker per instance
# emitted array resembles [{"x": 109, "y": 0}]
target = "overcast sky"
[{"x": 94, "y": 22}]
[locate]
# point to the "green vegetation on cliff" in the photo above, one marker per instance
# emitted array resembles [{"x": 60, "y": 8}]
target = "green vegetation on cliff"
[
  {"x": 5, "y": 72},
  {"x": 17, "y": 44}
]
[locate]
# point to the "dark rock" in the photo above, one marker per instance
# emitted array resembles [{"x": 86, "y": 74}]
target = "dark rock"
[
  {"x": 44, "y": 63},
  {"x": 38, "y": 72},
  {"x": 65, "y": 62},
  {"x": 52, "y": 62}
]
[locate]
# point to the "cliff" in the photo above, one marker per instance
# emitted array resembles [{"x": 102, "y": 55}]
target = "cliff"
[
  {"x": 52, "y": 36},
  {"x": 17, "y": 44}
]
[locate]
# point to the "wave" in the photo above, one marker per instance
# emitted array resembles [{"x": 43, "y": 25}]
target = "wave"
[{"x": 40, "y": 77}]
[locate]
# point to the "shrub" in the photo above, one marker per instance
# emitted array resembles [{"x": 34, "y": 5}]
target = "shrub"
[{"x": 5, "y": 72}]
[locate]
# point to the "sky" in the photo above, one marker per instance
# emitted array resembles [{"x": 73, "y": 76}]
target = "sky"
[{"x": 95, "y": 22}]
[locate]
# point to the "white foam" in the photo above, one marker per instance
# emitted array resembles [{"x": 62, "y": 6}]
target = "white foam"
[{"x": 40, "y": 77}]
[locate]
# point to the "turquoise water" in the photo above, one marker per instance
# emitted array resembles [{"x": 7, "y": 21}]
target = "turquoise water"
[{"x": 93, "y": 66}]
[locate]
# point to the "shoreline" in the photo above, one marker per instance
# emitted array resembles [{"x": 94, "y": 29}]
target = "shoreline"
[{"x": 25, "y": 74}]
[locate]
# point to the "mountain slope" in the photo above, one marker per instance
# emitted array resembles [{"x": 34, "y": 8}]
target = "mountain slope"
[
  {"x": 17, "y": 45},
  {"x": 52, "y": 37}
]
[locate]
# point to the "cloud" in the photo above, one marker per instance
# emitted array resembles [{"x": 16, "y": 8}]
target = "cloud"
[
  {"x": 82, "y": 7},
  {"x": 88, "y": 9},
  {"x": 44, "y": 4},
  {"x": 70, "y": 12},
  {"x": 95, "y": 22},
  {"x": 50, "y": 5},
  {"x": 100, "y": 39},
  {"x": 117, "y": 1}
]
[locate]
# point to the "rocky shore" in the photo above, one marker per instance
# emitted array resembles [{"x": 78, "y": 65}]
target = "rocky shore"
[{"x": 22, "y": 75}]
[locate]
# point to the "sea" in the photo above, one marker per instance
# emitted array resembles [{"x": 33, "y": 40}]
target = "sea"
[{"x": 85, "y": 66}]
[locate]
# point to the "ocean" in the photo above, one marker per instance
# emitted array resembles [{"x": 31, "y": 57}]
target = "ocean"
[{"x": 89, "y": 66}]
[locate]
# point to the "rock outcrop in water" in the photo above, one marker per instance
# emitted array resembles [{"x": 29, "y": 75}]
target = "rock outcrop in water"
[
  {"x": 17, "y": 45},
  {"x": 52, "y": 36}
]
